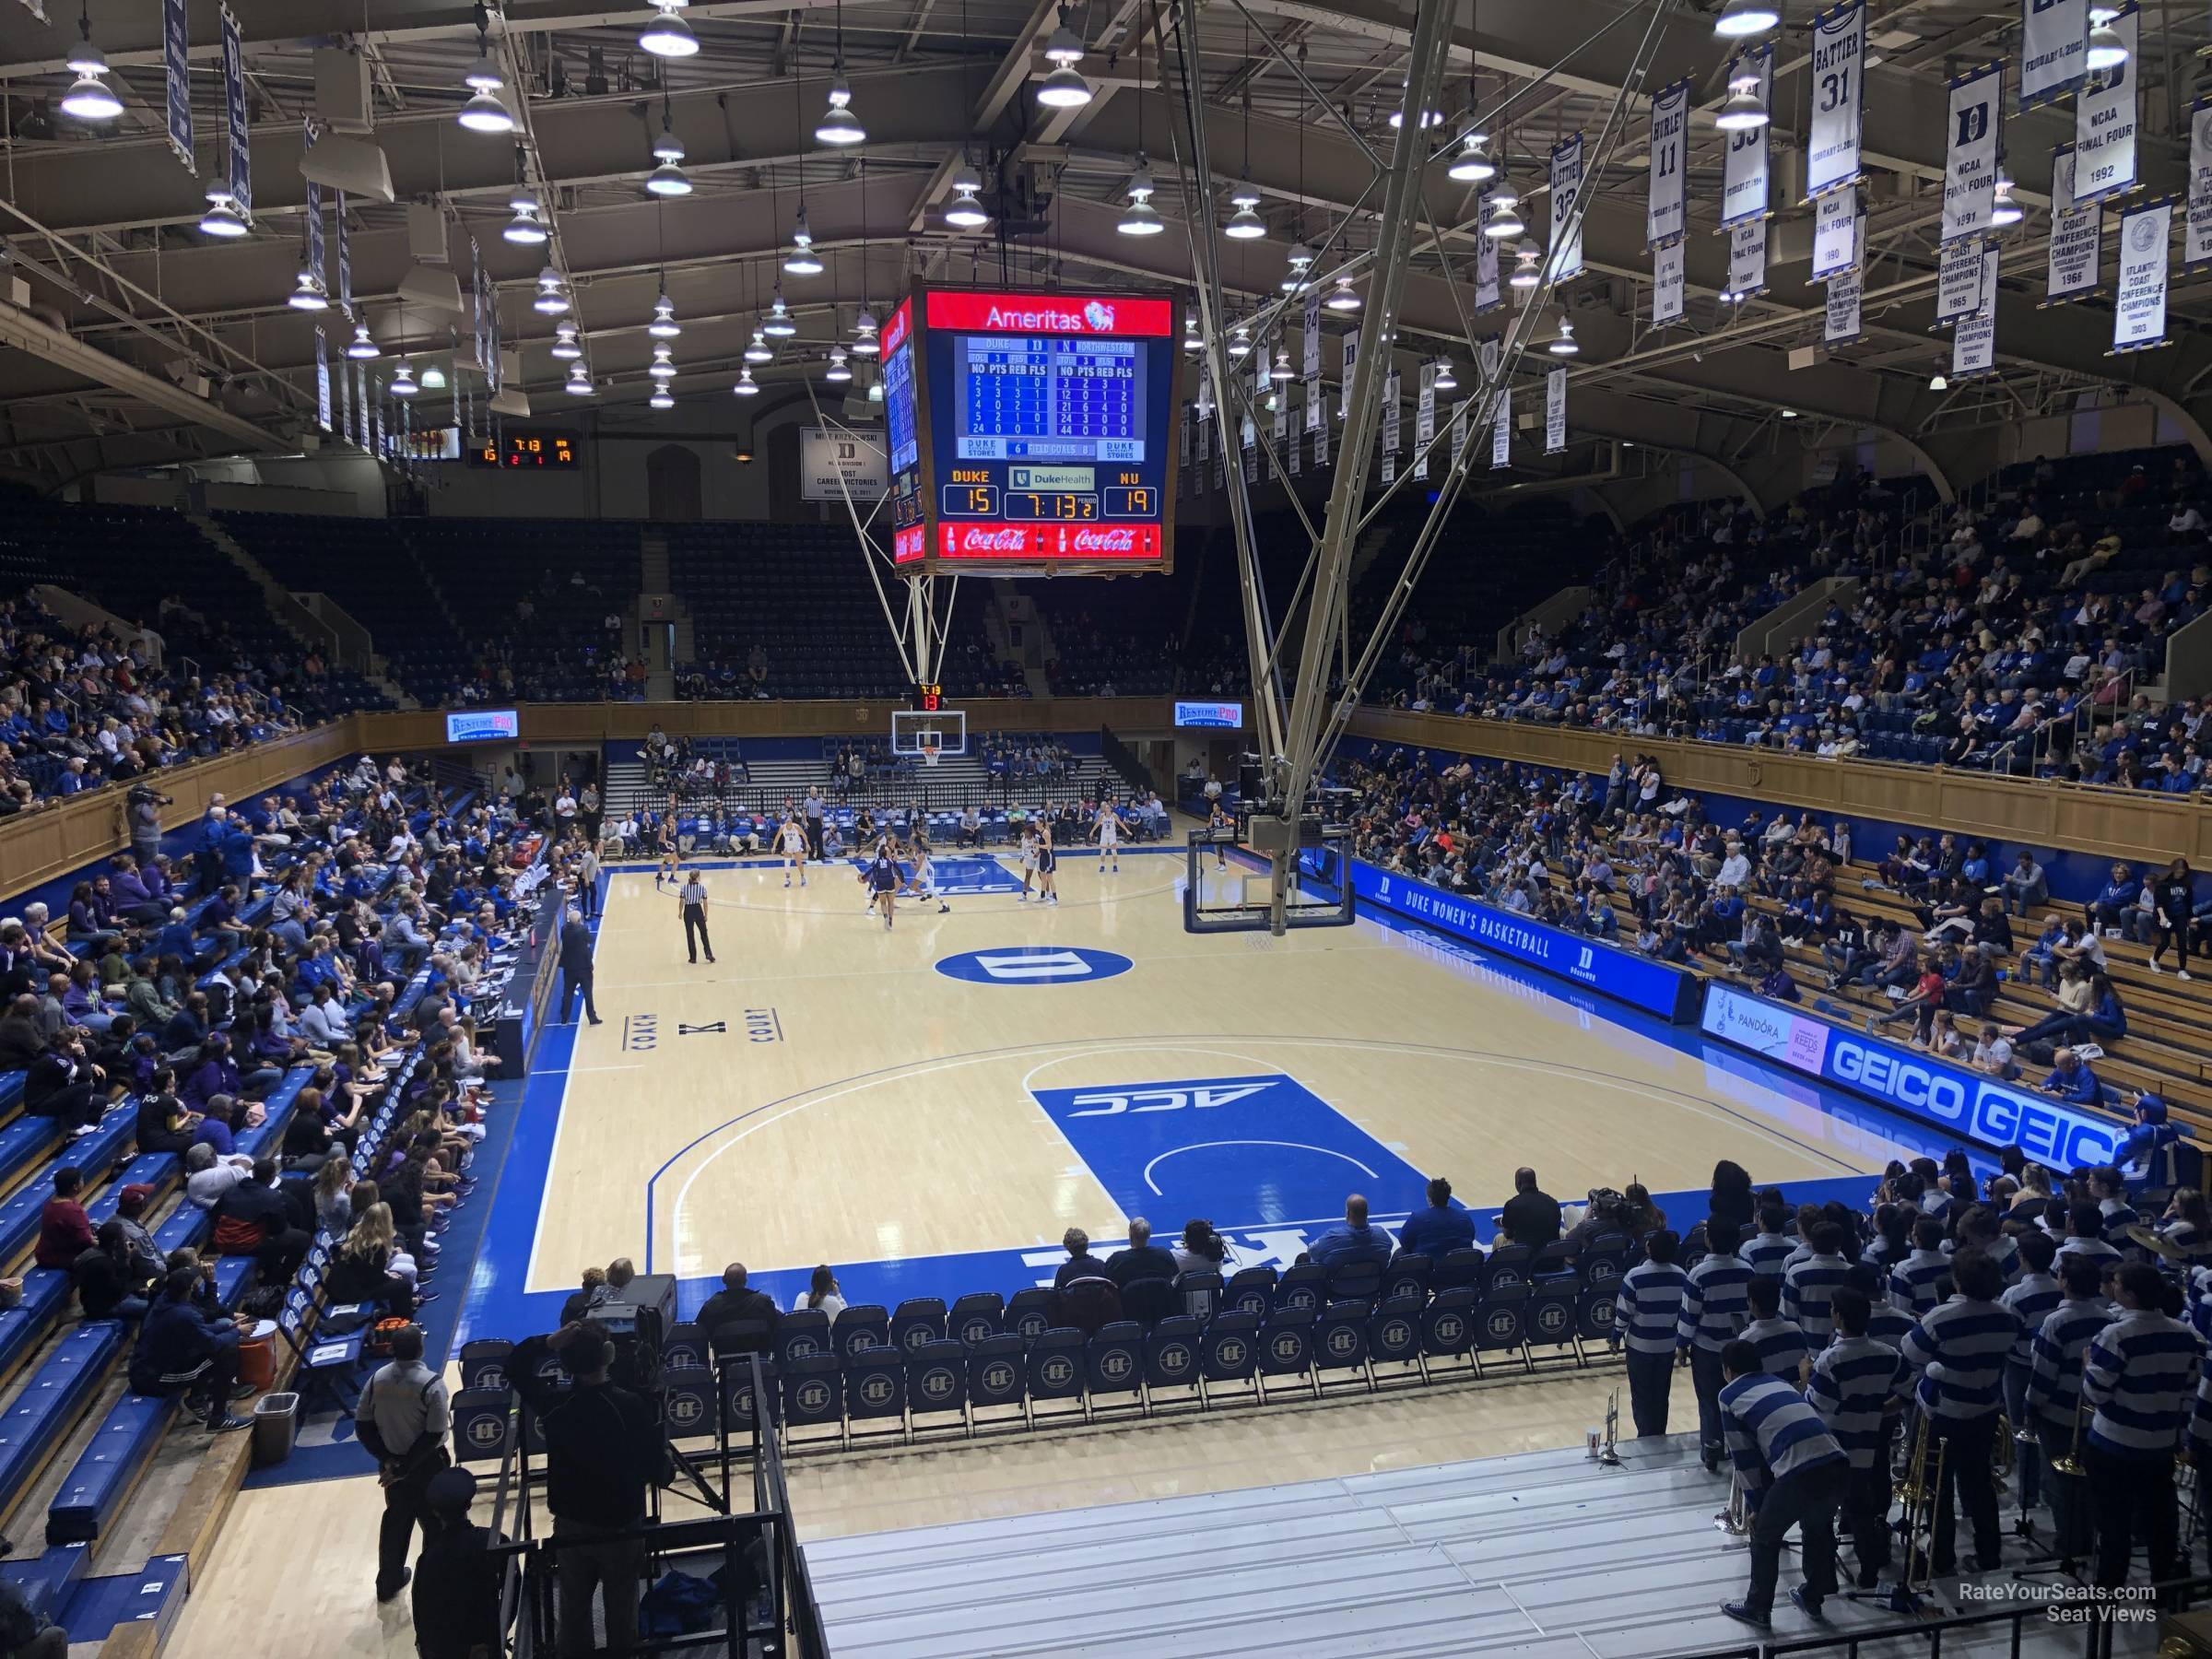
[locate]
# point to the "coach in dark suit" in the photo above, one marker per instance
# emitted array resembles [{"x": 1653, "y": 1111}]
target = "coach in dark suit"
[{"x": 576, "y": 965}]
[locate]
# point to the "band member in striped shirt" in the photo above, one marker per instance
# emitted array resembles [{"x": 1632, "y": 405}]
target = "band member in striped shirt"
[
  {"x": 1885, "y": 1322},
  {"x": 1713, "y": 1312},
  {"x": 1807, "y": 1285},
  {"x": 2085, "y": 1235},
  {"x": 1765, "y": 1250},
  {"x": 1649, "y": 1309},
  {"x": 2114, "y": 1211},
  {"x": 1912, "y": 1280},
  {"x": 1959, "y": 1352},
  {"x": 1794, "y": 1474},
  {"x": 2031, "y": 1299},
  {"x": 1782, "y": 1348},
  {"x": 2140, "y": 1378},
  {"x": 2062, "y": 1342},
  {"x": 1977, "y": 1229},
  {"x": 1856, "y": 1386}
]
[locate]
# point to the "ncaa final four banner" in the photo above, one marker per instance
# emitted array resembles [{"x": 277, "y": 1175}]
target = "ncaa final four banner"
[
  {"x": 2054, "y": 49},
  {"x": 1835, "y": 233},
  {"x": 1666, "y": 284},
  {"x": 2077, "y": 235},
  {"x": 1969, "y": 167},
  {"x": 1839, "y": 80},
  {"x": 1665, "y": 211},
  {"x": 1958, "y": 282},
  {"x": 1974, "y": 344},
  {"x": 2196, "y": 236},
  {"x": 1488, "y": 294},
  {"x": 2105, "y": 120},
  {"x": 2140, "y": 302},
  {"x": 1554, "y": 412},
  {"x": 1747, "y": 260},
  {"x": 1566, "y": 239},
  {"x": 1744, "y": 187}
]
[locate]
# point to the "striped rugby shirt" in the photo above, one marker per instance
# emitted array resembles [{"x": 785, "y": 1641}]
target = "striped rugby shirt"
[
  {"x": 1765, "y": 1253},
  {"x": 2061, "y": 1341},
  {"x": 1782, "y": 1347},
  {"x": 2003, "y": 1252},
  {"x": 2030, "y": 1300},
  {"x": 2141, "y": 1377},
  {"x": 2096, "y": 1250},
  {"x": 1807, "y": 1290},
  {"x": 1650, "y": 1307},
  {"x": 1772, "y": 1433},
  {"x": 1886, "y": 1323},
  {"x": 1853, "y": 1378},
  {"x": 1934, "y": 1202},
  {"x": 2119, "y": 1216},
  {"x": 1713, "y": 1303},
  {"x": 1913, "y": 1281},
  {"x": 1958, "y": 1349}
]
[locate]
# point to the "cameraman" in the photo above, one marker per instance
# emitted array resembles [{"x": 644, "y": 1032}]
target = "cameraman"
[
  {"x": 604, "y": 1448},
  {"x": 142, "y": 818}
]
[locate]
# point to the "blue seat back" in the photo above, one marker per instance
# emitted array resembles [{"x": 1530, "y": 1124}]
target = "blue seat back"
[
  {"x": 1448, "y": 1323},
  {"x": 803, "y": 1334},
  {"x": 1597, "y": 1313},
  {"x": 937, "y": 1376},
  {"x": 738, "y": 1404},
  {"x": 1605, "y": 1260},
  {"x": 875, "y": 1383},
  {"x": 687, "y": 1401},
  {"x": 1301, "y": 1289},
  {"x": 1503, "y": 1320},
  {"x": 977, "y": 1317},
  {"x": 1356, "y": 1281},
  {"x": 998, "y": 1370},
  {"x": 1030, "y": 1314},
  {"x": 1553, "y": 1310},
  {"x": 1172, "y": 1351},
  {"x": 1286, "y": 1343},
  {"x": 1408, "y": 1275},
  {"x": 858, "y": 1329},
  {"x": 1340, "y": 1335},
  {"x": 1251, "y": 1290},
  {"x": 813, "y": 1390},
  {"x": 1205, "y": 1283},
  {"x": 1114, "y": 1358},
  {"x": 484, "y": 1363},
  {"x": 916, "y": 1321},
  {"x": 1056, "y": 1364},
  {"x": 1394, "y": 1331},
  {"x": 1148, "y": 1300},
  {"x": 1509, "y": 1264},
  {"x": 1230, "y": 1347}
]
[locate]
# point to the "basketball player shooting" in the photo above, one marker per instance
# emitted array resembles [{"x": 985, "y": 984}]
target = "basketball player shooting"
[{"x": 1107, "y": 830}]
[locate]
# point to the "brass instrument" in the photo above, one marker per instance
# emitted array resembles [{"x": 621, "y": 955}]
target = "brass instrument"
[
  {"x": 2004, "y": 1453},
  {"x": 1916, "y": 1495},
  {"x": 1735, "y": 1520},
  {"x": 2069, "y": 1464},
  {"x": 1609, "y": 1454}
]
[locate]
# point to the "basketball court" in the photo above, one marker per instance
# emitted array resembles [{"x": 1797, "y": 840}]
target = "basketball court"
[{"x": 926, "y": 1109}]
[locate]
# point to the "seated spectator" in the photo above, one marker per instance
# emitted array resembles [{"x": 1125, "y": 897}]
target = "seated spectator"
[
  {"x": 2072, "y": 1080},
  {"x": 1081, "y": 1262},
  {"x": 361, "y": 1267},
  {"x": 1142, "y": 1259},
  {"x": 1353, "y": 1242},
  {"x": 186, "y": 1345},
  {"x": 65, "y": 1229},
  {"x": 114, "y": 1281},
  {"x": 1530, "y": 1216},
  {"x": 736, "y": 1300},
  {"x": 1439, "y": 1229},
  {"x": 63, "y": 1085},
  {"x": 822, "y": 1293},
  {"x": 256, "y": 1219}
]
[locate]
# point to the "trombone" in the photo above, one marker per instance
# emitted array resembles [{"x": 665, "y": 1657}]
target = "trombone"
[
  {"x": 2070, "y": 1464},
  {"x": 1917, "y": 1493}
]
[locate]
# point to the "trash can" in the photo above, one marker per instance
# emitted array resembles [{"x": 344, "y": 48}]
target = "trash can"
[{"x": 276, "y": 1421}]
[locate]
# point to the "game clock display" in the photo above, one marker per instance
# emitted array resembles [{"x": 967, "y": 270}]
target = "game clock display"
[
  {"x": 1033, "y": 430},
  {"x": 552, "y": 452}
]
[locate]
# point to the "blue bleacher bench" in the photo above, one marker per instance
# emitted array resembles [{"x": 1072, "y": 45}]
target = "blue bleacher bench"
[
  {"x": 95, "y": 1154},
  {"x": 11, "y": 1092},
  {"x": 46, "y": 1292},
  {"x": 46, "y": 1580},
  {"x": 108, "y": 1470},
  {"x": 22, "y": 1143},
  {"x": 52, "y": 1398}
]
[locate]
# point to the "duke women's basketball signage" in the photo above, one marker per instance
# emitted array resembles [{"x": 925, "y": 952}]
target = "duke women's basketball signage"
[{"x": 1033, "y": 965}]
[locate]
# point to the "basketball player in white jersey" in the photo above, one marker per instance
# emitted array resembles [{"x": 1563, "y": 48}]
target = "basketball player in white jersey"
[
  {"x": 923, "y": 883},
  {"x": 1029, "y": 860},
  {"x": 1108, "y": 830},
  {"x": 1048, "y": 863},
  {"x": 791, "y": 841}
]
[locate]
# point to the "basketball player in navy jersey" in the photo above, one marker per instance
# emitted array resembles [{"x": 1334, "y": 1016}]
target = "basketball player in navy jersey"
[
  {"x": 1217, "y": 820},
  {"x": 1048, "y": 865},
  {"x": 667, "y": 872},
  {"x": 882, "y": 880}
]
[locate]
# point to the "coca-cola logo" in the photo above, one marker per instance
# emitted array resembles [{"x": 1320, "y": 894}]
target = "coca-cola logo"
[
  {"x": 1002, "y": 538},
  {"x": 1115, "y": 538}
]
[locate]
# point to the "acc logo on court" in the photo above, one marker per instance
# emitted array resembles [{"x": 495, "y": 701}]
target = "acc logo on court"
[{"x": 1033, "y": 965}]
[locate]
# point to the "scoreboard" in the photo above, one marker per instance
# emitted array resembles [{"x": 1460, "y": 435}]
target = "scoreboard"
[{"x": 1033, "y": 430}]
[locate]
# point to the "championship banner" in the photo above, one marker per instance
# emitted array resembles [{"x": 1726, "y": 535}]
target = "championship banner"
[
  {"x": 1310, "y": 368},
  {"x": 1839, "y": 85},
  {"x": 1744, "y": 182},
  {"x": 1501, "y": 409},
  {"x": 1285, "y": 447},
  {"x": 1840, "y": 325},
  {"x": 1351, "y": 342},
  {"x": 2104, "y": 121},
  {"x": 2196, "y": 238},
  {"x": 1315, "y": 416},
  {"x": 234, "y": 118},
  {"x": 1667, "y": 284},
  {"x": 1424, "y": 420},
  {"x": 1975, "y": 345},
  {"x": 1663, "y": 212},
  {"x": 322, "y": 380},
  {"x": 2077, "y": 235},
  {"x": 2054, "y": 48},
  {"x": 1554, "y": 412},
  {"x": 1835, "y": 233},
  {"x": 2140, "y": 302},
  {"x": 314, "y": 219},
  {"x": 1392, "y": 414},
  {"x": 345, "y": 403},
  {"x": 1489, "y": 295},
  {"x": 376, "y": 424},
  {"x": 1747, "y": 260},
  {"x": 176, "y": 48},
  {"x": 344, "y": 263},
  {"x": 1183, "y": 450},
  {"x": 1252, "y": 451},
  {"x": 1958, "y": 282},
  {"x": 1969, "y": 167},
  {"x": 1321, "y": 437},
  {"x": 1459, "y": 434},
  {"x": 1566, "y": 240}
]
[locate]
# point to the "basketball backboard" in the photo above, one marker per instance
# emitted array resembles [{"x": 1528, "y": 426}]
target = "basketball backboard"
[{"x": 917, "y": 731}]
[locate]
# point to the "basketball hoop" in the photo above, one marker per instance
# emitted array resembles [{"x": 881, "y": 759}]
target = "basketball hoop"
[{"x": 929, "y": 754}]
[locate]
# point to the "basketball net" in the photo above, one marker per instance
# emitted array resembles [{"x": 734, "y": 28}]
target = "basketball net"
[{"x": 929, "y": 754}]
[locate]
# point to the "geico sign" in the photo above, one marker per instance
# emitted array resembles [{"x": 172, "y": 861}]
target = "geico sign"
[
  {"x": 2047, "y": 1134},
  {"x": 1901, "y": 1081}
]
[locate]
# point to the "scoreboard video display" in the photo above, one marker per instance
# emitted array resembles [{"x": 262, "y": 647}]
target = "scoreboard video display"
[{"x": 1033, "y": 430}]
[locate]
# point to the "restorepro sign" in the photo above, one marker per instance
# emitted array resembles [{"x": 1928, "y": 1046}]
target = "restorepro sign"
[
  {"x": 478, "y": 726},
  {"x": 2051, "y": 1132}
]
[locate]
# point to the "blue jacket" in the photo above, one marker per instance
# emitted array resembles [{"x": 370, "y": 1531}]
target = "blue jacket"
[
  {"x": 1344, "y": 1244},
  {"x": 175, "y": 1337},
  {"x": 2083, "y": 1088},
  {"x": 1435, "y": 1230}
]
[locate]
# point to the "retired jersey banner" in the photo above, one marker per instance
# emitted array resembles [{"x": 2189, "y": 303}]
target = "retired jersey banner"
[
  {"x": 1664, "y": 212},
  {"x": 1958, "y": 282},
  {"x": 1975, "y": 345},
  {"x": 2054, "y": 48},
  {"x": 1351, "y": 342},
  {"x": 2104, "y": 121},
  {"x": 2140, "y": 302},
  {"x": 1566, "y": 241},
  {"x": 2077, "y": 235},
  {"x": 176, "y": 79},
  {"x": 1392, "y": 414},
  {"x": 1840, "y": 325},
  {"x": 1832, "y": 152},
  {"x": 1554, "y": 412},
  {"x": 2196, "y": 238},
  {"x": 1424, "y": 420},
  {"x": 1667, "y": 284},
  {"x": 1747, "y": 260},
  {"x": 1969, "y": 167},
  {"x": 1501, "y": 403},
  {"x": 1488, "y": 296},
  {"x": 1744, "y": 182},
  {"x": 1835, "y": 233},
  {"x": 1311, "y": 366}
]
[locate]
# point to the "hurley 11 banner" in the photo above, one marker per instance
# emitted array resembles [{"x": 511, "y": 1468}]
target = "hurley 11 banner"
[{"x": 1670, "y": 122}]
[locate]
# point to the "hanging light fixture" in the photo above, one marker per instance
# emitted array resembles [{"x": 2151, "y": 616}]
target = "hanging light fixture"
[
  {"x": 361, "y": 347},
  {"x": 2107, "y": 49},
  {"x": 307, "y": 293},
  {"x": 485, "y": 113},
  {"x": 1937, "y": 384},
  {"x": 1245, "y": 224},
  {"x": 757, "y": 349},
  {"x": 965, "y": 212},
  {"x": 1445, "y": 380},
  {"x": 486, "y": 110},
  {"x": 580, "y": 381},
  {"x": 778, "y": 325},
  {"x": 1505, "y": 215},
  {"x": 222, "y": 218},
  {"x": 2003, "y": 210},
  {"x": 744, "y": 387},
  {"x": 1563, "y": 343},
  {"x": 89, "y": 97},
  {"x": 1240, "y": 342},
  {"x": 662, "y": 398},
  {"x": 552, "y": 293},
  {"x": 668, "y": 178},
  {"x": 433, "y": 379},
  {"x": 1140, "y": 218},
  {"x": 1064, "y": 88},
  {"x": 839, "y": 125},
  {"x": 801, "y": 261},
  {"x": 1527, "y": 259},
  {"x": 1281, "y": 370},
  {"x": 874, "y": 391},
  {"x": 524, "y": 228},
  {"x": 1345, "y": 299},
  {"x": 565, "y": 345},
  {"x": 1744, "y": 112},
  {"x": 663, "y": 367},
  {"x": 867, "y": 340},
  {"x": 837, "y": 370},
  {"x": 1428, "y": 117},
  {"x": 1300, "y": 260},
  {"x": 1742, "y": 17},
  {"x": 402, "y": 384},
  {"x": 664, "y": 326},
  {"x": 668, "y": 36},
  {"x": 1472, "y": 164}
]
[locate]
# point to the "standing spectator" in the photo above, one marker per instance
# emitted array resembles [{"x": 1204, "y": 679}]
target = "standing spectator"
[
  {"x": 1649, "y": 1309},
  {"x": 2173, "y": 898},
  {"x": 457, "y": 1579},
  {"x": 403, "y": 1419},
  {"x": 1794, "y": 1474}
]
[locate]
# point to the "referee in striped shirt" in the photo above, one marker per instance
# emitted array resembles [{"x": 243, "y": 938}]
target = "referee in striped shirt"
[
  {"x": 1794, "y": 1474},
  {"x": 1807, "y": 1286},
  {"x": 2140, "y": 1378},
  {"x": 2061, "y": 1343},
  {"x": 1713, "y": 1312},
  {"x": 1958, "y": 1350},
  {"x": 1856, "y": 1386},
  {"x": 1647, "y": 1314}
]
